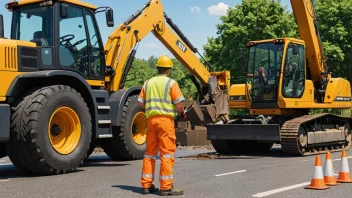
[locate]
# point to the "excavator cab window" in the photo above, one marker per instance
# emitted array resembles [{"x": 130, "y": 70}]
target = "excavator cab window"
[
  {"x": 294, "y": 71},
  {"x": 264, "y": 63}
]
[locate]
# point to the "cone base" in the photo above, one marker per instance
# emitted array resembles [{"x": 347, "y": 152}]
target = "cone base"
[
  {"x": 332, "y": 184},
  {"x": 330, "y": 181},
  {"x": 316, "y": 188},
  {"x": 317, "y": 184},
  {"x": 344, "y": 181}
]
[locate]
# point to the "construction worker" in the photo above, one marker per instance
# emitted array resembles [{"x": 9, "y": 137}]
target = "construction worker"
[{"x": 161, "y": 98}]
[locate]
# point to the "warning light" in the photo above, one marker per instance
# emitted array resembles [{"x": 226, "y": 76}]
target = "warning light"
[
  {"x": 252, "y": 43},
  {"x": 11, "y": 5},
  {"x": 279, "y": 41}
]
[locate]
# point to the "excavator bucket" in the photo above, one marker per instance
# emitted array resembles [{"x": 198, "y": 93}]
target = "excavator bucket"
[{"x": 193, "y": 112}]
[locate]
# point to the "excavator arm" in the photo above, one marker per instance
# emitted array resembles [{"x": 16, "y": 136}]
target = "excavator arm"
[
  {"x": 123, "y": 42},
  {"x": 304, "y": 13}
]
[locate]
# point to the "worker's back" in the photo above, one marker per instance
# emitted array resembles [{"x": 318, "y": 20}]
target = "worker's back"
[{"x": 158, "y": 97}]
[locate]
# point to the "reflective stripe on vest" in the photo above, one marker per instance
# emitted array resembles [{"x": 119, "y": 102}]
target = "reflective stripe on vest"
[{"x": 158, "y": 99}]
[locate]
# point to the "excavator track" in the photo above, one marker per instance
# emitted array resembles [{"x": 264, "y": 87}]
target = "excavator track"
[{"x": 294, "y": 138}]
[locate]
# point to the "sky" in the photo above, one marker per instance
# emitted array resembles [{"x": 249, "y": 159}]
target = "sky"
[{"x": 197, "y": 19}]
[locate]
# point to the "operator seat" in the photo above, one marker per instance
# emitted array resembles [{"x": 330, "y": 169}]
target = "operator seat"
[{"x": 38, "y": 38}]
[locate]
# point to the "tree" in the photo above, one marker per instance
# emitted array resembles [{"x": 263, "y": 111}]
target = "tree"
[
  {"x": 249, "y": 20},
  {"x": 143, "y": 70},
  {"x": 334, "y": 19},
  {"x": 140, "y": 72}
]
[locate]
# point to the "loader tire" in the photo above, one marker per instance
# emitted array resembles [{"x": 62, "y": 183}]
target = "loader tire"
[
  {"x": 50, "y": 131},
  {"x": 3, "y": 152},
  {"x": 127, "y": 143}
]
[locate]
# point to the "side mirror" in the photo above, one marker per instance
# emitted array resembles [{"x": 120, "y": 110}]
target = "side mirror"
[
  {"x": 294, "y": 50},
  {"x": 110, "y": 17},
  {"x": 2, "y": 34},
  {"x": 64, "y": 11}
]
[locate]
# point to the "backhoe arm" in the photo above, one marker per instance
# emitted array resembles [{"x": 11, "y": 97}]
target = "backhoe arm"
[
  {"x": 121, "y": 49},
  {"x": 121, "y": 46}
]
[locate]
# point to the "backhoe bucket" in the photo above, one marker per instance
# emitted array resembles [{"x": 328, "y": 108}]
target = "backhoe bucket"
[{"x": 193, "y": 112}]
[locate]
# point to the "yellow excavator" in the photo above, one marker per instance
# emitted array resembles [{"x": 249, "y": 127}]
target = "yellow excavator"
[
  {"x": 62, "y": 91},
  {"x": 286, "y": 78}
]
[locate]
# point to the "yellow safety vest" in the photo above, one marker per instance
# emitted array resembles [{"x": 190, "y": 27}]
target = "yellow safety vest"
[{"x": 158, "y": 98}]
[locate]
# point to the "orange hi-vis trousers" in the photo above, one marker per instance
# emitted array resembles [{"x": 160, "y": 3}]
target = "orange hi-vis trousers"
[{"x": 160, "y": 136}]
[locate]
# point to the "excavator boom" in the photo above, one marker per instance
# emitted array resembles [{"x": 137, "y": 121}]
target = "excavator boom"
[{"x": 304, "y": 12}]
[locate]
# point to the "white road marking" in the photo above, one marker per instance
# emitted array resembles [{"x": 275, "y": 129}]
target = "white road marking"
[
  {"x": 241, "y": 171},
  {"x": 263, "y": 194},
  {"x": 340, "y": 158}
]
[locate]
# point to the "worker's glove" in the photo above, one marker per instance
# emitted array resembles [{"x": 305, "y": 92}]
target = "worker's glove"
[{"x": 183, "y": 116}]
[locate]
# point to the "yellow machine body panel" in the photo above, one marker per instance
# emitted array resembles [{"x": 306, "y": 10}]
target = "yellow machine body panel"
[
  {"x": 75, "y": 2},
  {"x": 238, "y": 96},
  {"x": 9, "y": 63}
]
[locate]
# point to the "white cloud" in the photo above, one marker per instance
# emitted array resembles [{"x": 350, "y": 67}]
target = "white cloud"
[
  {"x": 195, "y": 9},
  {"x": 218, "y": 10},
  {"x": 151, "y": 46}
]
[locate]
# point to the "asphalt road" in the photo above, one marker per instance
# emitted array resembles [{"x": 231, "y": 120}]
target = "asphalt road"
[{"x": 271, "y": 174}]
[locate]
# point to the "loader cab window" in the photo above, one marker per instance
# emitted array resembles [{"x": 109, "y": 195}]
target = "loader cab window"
[
  {"x": 73, "y": 52},
  {"x": 264, "y": 63},
  {"x": 95, "y": 49},
  {"x": 33, "y": 24},
  {"x": 293, "y": 72}
]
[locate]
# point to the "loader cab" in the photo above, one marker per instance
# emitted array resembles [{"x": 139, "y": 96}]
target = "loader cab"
[
  {"x": 67, "y": 36},
  {"x": 275, "y": 64}
]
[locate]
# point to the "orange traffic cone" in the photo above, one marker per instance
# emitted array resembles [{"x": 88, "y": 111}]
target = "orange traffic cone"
[
  {"x": 344, "y": 174},
  {"x": 329, "y": 175},
  {"x": 317, "y": 182}
]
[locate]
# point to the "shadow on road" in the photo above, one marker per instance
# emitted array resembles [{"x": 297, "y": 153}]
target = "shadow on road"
[
  {"x": 129, "y": 188},
  {"x": 101, "y": 161},
  {"x": 10, "y": 171},
  {"x": 132, "y": 188}
]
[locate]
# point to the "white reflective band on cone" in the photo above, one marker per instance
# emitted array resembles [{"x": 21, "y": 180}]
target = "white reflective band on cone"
[
  {"x": 318, "y": 173},
  {"x": 344, "y": 166},
  {"x": 329, "y": 170}
]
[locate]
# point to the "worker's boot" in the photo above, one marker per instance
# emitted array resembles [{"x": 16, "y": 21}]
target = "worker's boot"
[
  {"x": 152, "y": 189},
  {"x": 171, "y": 192}
]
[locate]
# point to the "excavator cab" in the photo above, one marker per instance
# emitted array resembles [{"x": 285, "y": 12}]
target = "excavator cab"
[{"x": 66, "y": 33}]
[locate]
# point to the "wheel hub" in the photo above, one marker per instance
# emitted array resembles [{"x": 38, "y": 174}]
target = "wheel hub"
[
  {"x": 139, "y": 128},
  {"x": 64, "y": 130},
  {"x": 55, "y": 130}
]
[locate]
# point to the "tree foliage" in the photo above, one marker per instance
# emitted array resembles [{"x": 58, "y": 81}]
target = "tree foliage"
[
  {"x": 334, "y": 19},
  {"x": 143, "y": 70},
  {"x": 249, "y": 20}
]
